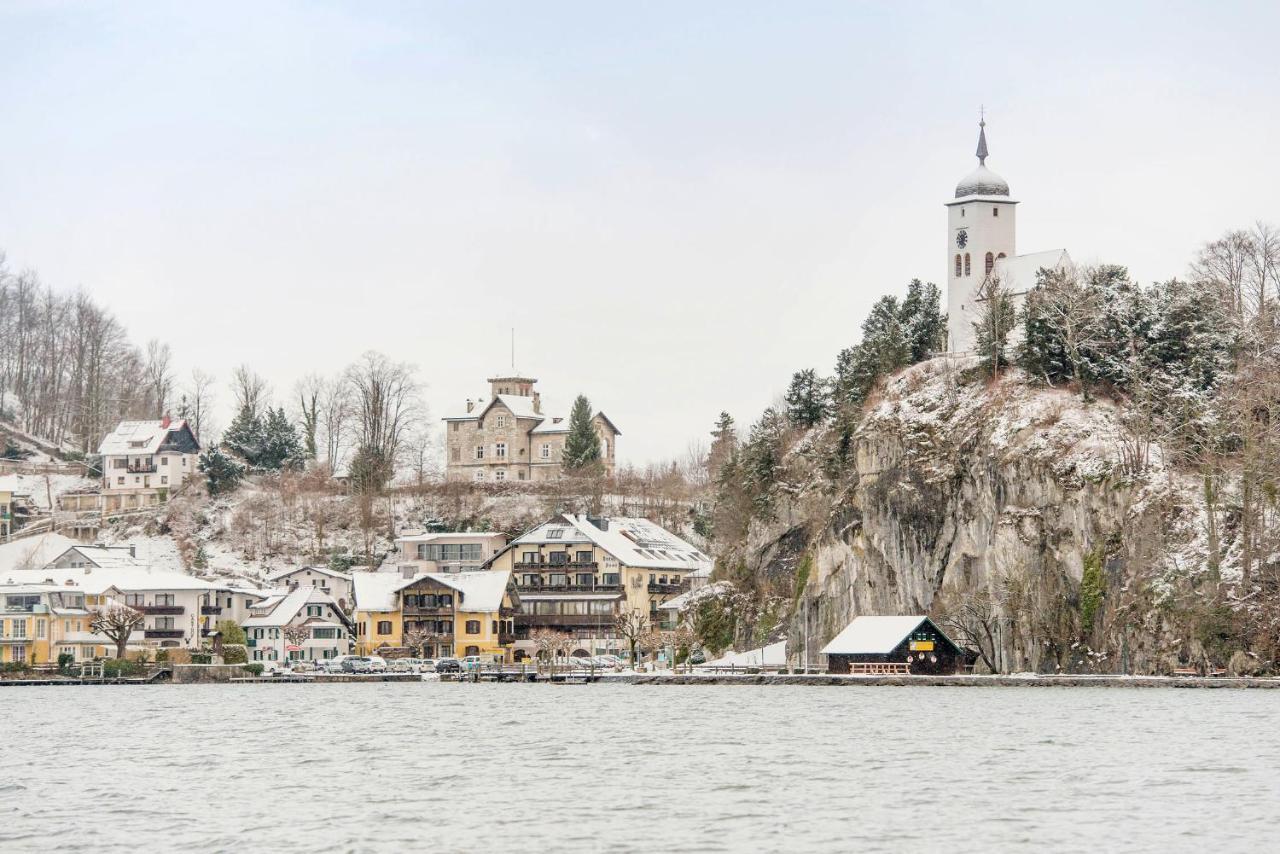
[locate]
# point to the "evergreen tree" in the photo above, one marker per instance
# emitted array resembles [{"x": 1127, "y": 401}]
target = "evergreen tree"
[
  {"x": 995, "y": 321},
  {"x": 245, "y": 437},
  {"x": 923, "y": 321},
  {"x": 724, "y": 439},
  {"x": 884, "y": 339},
  {"x": 281, "y": 445},
  {"x": 222, "y": 473},
  {"x": 582, "y": 445},
  {"x": 807, "y": 399}
]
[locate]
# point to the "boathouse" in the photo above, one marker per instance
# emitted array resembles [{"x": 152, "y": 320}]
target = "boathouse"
[{"x": 875, "y": 644}]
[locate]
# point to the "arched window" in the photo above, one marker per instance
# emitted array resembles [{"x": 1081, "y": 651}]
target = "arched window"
[
  {"x": 966, "y": 263},
  {"x": 991, "y": 263},
  {"x": 957, "y": 265}
]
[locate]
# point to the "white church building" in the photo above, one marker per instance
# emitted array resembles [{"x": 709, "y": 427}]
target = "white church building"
[{"x": 981, "y": 243}]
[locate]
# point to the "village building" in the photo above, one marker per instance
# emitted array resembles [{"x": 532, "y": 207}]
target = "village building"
[
  {"x": 576, "y": 574},
  {"x": 511, "y": 438},
  {"x": 231, "y": 600},
  {"x": 302, "y": 624},
  {"x": 981, "y": 246},
  {"x": 143, "y": 462},
  {"x": 331, "y": 581},
  {"x": 444, "y": 614},
  {"x": 447, "y": 551},
  {"x": 179, "y": 609},
  {"x": 40, "y": 622},
  {"x": 876, "y": 644}
]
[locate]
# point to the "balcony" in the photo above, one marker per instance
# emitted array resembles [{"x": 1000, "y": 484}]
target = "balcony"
[
  {"x": 210, "y": 610},
  {"x": 159, "y": 610},
  {"x": 655, "y": 587},
  {"x": 554, "y": 567},
  {"x": 569, "y": 588},
  {"x": 141, "y": 468},
  {"x": 159, "y": 634},
  {"x": 565, "y": 621},
  {"x": 505, "y": 638}
]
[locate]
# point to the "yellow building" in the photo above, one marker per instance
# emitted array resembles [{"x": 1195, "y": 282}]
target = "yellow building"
[
  {"x": 6, "y": 514},
  {"x": 576, "y": 574},
  {"x": 39, "y": 622},
  {"x": 454, "y": 614}
]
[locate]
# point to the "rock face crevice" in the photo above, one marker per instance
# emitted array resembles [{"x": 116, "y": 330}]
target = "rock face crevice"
[{"x": 996, "y": 493}]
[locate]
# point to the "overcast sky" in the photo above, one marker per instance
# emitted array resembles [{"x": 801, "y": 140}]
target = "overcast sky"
[{"x": 675, "y": 205}]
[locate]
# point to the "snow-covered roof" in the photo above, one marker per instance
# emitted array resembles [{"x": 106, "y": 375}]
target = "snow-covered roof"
[
  {"x": 774, "y": 653},
  {"x": 873, "y": 635},
  {"x": 1018, "y": 274},
  {"x": 481, "y": 591},
  {"x": 322, "y": 570},
  {"x": 519, "y": 405},
  {"x": 139, "y": 437},
  {"x": 284, "y": 609},
  {"x": 105, "y": 557},
  {"x": 693, "y": 597},
  {"x": 32, "y": 552},
  {"x": 552, "y": 425},
  {"x": 95, "y": 580},
  {"x": 632, "y": 541},
  {"x": 444, "y": 535}
]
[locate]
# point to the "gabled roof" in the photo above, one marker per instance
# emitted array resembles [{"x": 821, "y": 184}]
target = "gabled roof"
[
  {"x": 322, "y": 570},
  {"x": 480, "y": 591},
  {"x": 95, "y": 580},
  {"x": 632, "y": 541},
  {"x": 519, "y": 405},
  {"x": 105, "y": 557},
  {"x": 876, "y": 635},
  {"x": 141, "y": 437},
  {"x": 1018, "y": 274},
  {"x": 288, "y": 607}
]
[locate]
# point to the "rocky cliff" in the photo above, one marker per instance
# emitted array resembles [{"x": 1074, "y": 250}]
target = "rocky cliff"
[{"x": 1006, "y": 507}]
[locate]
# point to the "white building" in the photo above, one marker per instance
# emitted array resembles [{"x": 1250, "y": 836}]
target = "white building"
[
  {"x": 178, "y": 608},
  {"x": 331, "y": 581},
  {"x": 452, "y": 551},
  {"x": 148, "y": 457},
  {"x": 324, "y": 630},
  {"x": 981, "y": 244}
]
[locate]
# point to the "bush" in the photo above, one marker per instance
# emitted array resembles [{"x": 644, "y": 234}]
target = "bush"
[
  {"x": 114, "y": 667},
  {"x": 202, "y": 658},
  {"x": 234, "y": 653},
  {"x": 65, "y": 660},
  {"x": 254, "y": 669},
  {"x": 15, "y": 667},
  {"x": 162, "y": 656},
  {"x": 231, "y": 632}
]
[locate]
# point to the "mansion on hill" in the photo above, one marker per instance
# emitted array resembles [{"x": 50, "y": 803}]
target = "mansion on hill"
[{"x": 511, "y": 438}]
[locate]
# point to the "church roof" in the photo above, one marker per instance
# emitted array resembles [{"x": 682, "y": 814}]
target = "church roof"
[
  {"x": 1018, "y": 274},
  {"x": 982, "y": 181}
]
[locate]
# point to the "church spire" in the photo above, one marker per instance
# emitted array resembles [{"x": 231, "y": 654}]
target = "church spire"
[{"x": 982, "y": 141}]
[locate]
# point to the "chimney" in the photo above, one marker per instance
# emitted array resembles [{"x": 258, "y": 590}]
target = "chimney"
[
  {"x": 470, "y": 404},
  {"x": 165, "y": 421},
  {"x": 133, "y": 550},
  {"x": 537, "y": 402}
]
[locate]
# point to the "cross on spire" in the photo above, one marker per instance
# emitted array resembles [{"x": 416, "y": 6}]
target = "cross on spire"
[{"x": 982, "y": 136}]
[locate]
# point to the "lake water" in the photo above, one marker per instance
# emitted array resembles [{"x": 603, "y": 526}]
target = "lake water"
[{"x": 498, "y": 768}]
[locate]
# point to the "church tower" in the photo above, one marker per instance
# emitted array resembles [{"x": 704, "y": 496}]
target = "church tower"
[{"x": 980, "y": 232}]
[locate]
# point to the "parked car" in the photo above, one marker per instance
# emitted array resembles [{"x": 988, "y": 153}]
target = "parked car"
[
  {"x": 578, "y": 662},
  {"x": 377, "y": 664},
  {"x": 428, "y": 665},
  {"x": 335, "y": 664},
  {"x": 405, "y": 665},
  {"x": 471, "y": 662},
  {"x": 356, "y": 664},
  {"x": 302, "y": 665},
  {"x": 448, "y": 665}
]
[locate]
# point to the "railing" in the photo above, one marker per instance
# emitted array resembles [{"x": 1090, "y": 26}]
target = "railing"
[
  {"x": 162, "y": 633},
  {"x": 160, "y": 610},
  {"x": 144, "y": 469},
  {"x": 655, "y": 587},
  {"x": 585, "y": 621},
  {"x": 210, "y": 610},
  {"x": 544, "y": 565},
  {"x": 569, "y": 588}
]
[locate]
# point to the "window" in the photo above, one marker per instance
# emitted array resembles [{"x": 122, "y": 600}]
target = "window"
[
  {"x": 473, "y": 650},
  {"x": 164, "y": 478},
  {"x": 19, "y": 628},
  {"x": 995, "y": 211},
  {"x": 545, "y": 451},
  {"x": 500, "y": 450},
  {"x": 473, "y": 628},
  {"x": 519, "y": 475},
  {"x": 611, "y": 578},
  {"x": 384, "y": 627},
  {"x": 583, "y": 557},
  {"x": 555, "y": 533},
  {"x": 324, "y": 633},
  {"x": 480, "y": 475},
  {"x": 962, "y": 213},
  {"x": 500, "y": 474},
  {"x": 164, "y": 622},
  {"x": 453, "y": 425},
  {"x": 164, "y": 598},
  {"x": 558, "y": 558},
  {"x": 119, "y": 481},
  {"x": 495, "y": 627},
  {"x": 958, "y": 265},
  {"x": 990, "y": 263},
  {"x": 133, "y": 599},
  {"x": 119, "y": 463},
  {"x": 455, "y": 454},
  {"x": 500, "y": 422},
  {"x": 315, "y": 610},
  {"x": 40, "y": 629},
  {"x": 360, "y": 630},
  {"x": 164, "y": 461},
  {"x": 966, "y": 263},
  {"x": 479, "y": 452}
]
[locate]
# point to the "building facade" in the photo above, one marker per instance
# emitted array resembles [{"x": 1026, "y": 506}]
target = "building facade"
[
  {"x": 511, "y": 438},
  {"x": 457, "y": 551},
  {"x": 40, "y": 622},
  {"x": 576, "y": 574},
  {"x": 331, "y": 581},
  {"x": 148, "y": 459},
  {"x": 453, "y": 614},
  {"x": 982, "y": 247},
  {"x": 303, "y": 624}
]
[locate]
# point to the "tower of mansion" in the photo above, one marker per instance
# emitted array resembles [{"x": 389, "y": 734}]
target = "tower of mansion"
[
  {"x": 981, "y": 231},
  {"x": 509, "y": 437}
]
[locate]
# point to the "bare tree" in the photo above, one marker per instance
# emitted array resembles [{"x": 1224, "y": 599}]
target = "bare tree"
[
  {"x": 116, "y": 622},
  {"x": 295, "y": 636},
  {"x": 974, "y": 621},
  {"x": 249, "y": 390},
  {"x": 159, "y": 376},
  {"x": 631, "y": 626},
  {"x": 198, "y": 400},
  {"x": 548, "y": 642},
  {"x": 386, "y": 397}
]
